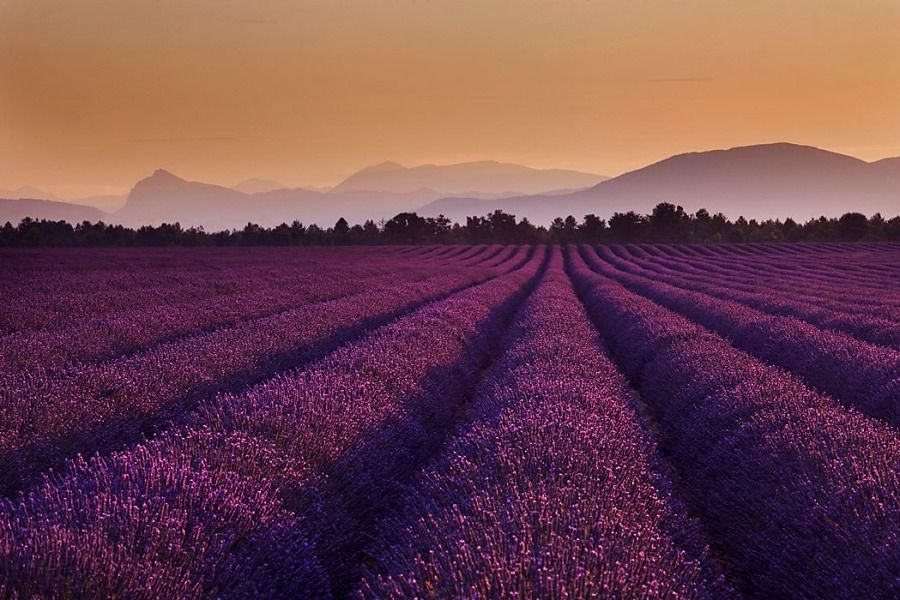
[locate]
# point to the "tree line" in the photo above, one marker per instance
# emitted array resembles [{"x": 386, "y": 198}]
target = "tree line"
[{"x": 666, "y": 223}]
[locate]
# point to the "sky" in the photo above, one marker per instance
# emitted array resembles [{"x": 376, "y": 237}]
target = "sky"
[{"x": 96, "y": 94}]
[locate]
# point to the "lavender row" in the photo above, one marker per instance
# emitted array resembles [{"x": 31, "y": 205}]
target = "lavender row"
[
  {"x": 817, "y": 274},
  {"x": 832, "y": 266},
  {"x": 263, "y": 494},
  {"x": 863, "y": 375},
  {"x": 79, "y": 282},
  {"x": 393, "y": 401},
  {"x": 804, "y": 284},
  {"x": 41, "y": 298},
  {"x": 872, "y": 316},
  {"x": 799, "y": 253},
  {"x": 801, "y": 495},
  {"x": 840, "y": 297},
  {"x": 551, "y": 488},
  {"x": 500, "y": 258},
  {"x": 865, "y": 327},
  {"x": 114, "y": 334},
  {"x": 47, "y": 418},
  {"x": 763, "y": 249}
]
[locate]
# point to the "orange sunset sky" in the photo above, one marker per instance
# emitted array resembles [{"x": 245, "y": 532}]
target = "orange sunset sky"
[{"x": 95, "y": 94}]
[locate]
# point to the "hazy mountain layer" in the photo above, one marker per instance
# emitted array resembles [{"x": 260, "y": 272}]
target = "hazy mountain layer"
[{"x": 763, "y": 181}]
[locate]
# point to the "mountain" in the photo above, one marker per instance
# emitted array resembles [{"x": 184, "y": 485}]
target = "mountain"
[
  {"x": 27, "y": 192},
  {"x": 479, "y": 178},
  {"x": 108, "y": 203},
  {"x": 325, "y": 208},
  {"x": 255, "y": 185},
  {"x": 770, "y": 180},
  {"x": 14, "y": 210},
  {"x": 166, "y": 198},
  {"x": 764, "y": 181},
  {"x": 889, "y": 167}
]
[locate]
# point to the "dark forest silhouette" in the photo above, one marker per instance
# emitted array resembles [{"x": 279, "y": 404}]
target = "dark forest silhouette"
[{"x": 666, "y": 223}]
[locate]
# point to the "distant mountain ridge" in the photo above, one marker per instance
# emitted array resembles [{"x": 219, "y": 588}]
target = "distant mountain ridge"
[
  {"x": 28, "y": 192},
  {"x": 255, "y": 185},
  {"x": 165, "y": 197},
  {"x": 485, "y": 177},
  {"x": 106, "y": 202},
  {"x": 763, "y": 181},
  {"x": 14, "y": 210}
]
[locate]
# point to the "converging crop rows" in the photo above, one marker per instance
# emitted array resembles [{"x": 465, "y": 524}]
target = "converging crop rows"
[{"x": 660, "y": 421}]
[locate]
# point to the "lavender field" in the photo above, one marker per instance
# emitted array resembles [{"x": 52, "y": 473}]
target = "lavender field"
[{"x": 622, "y": 421}]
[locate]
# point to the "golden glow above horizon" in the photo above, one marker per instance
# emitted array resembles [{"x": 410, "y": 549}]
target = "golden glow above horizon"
[{"x": 96, "y": 94}]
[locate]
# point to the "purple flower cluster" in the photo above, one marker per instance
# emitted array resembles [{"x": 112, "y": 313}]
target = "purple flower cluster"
[
  {"x": 265, "y": 493},
  {"x": 551, "y": 487},
  {"x": 863, "y": 375},
  {"x": 801, "y": 495}
]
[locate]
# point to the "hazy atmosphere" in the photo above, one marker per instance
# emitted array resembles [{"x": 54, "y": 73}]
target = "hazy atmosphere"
[{"x": 95, "y": 95}]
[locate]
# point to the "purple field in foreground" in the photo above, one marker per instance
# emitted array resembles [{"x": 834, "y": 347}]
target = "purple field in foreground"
[{"x": 678, "y": 421}]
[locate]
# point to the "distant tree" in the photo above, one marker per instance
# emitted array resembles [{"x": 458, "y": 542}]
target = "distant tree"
[
  {"x": 702, "y": 227},
  {"x": 852, "y": 226},
  {"x": 406, "y": 228},
  {"x": 627, "y": 227},
  {"x": 875, "y": 229},
  {"x": 8, "y": 235},
  {"x": 721, "y": 227},
  {"x": 314, "y": 235},
  {"x": 370, "y": 232},
  {"x": 892, "y": 230},
  {"x": 502, "y": 226},
  {"x": 341, "y": 232},
  {"x": 281, "y": 235},
  {"x": 791, "y": 231},
  {"x": 669, "y": 223},
  {"x": 476, "y": 230},
  {"x": 820, "y": 230},
  {"x": 558, "y": 231},
  {"x": 252, "y": 235},
  {"x": 440, "y": 228},
  {"x": 563, "y": 231},
  {"x": 592, "y": 229},
  {"x": 739, "y": 231},
  {"x": 526, "y": 233},
  {"x": 767, "y": 231},
  {"x": 298, "y": 233},
  {"x": 666, "y": 222}
]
